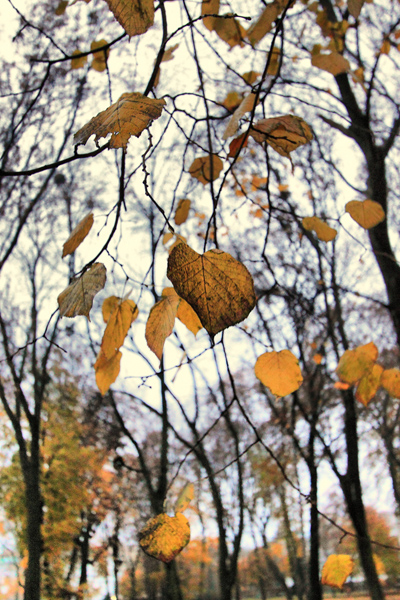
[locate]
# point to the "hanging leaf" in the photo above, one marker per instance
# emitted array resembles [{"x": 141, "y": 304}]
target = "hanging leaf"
[
  {"x": 356, "y": 363},
  {"x": 135, "y": 16},
  {"x": 77, "y": 63},
  {"x": 60, "y": 10},
  {"x": 160, "y": 323},
  {"x": 322, "y": 229},
  {"x": 265, "y": 21},
  {"x": 184, "y": 498},
  {"x": 219, "y": 288},
  {"x": 284, "y": 134},
  {"x": 182, "y": 211},
  {"x": 246, "y": 105},
  {"x": 391, "y": 382},
  {"x": 201, "y": 168},
  {"x": 237, "y": 144},
  {"x": 232, "y": 100},
  {"x": 77, "y": 298},
  {"x": 369, "y": 384},
  {"x": 120, "y": 318},
  {"x": 229, "y": 30},
  {"x": 209, "y": 7},
  {"x": 107, "y": 370},
  {"x": 78, "y": 234},
  {"x": 279, "y": 372},
  {"x": 130, "y": 115},
  {"x": 188, "y": 317},
  {"x": 366, "y": 213},
  {"x": 336, "y": 570},
  {"x": 99, "y": 62},
  {"x": 274, "y": 61},
  {"x": 251, "y": 76},
  {"x": 333, "y": 63},
  {"x": 355, "y": 7},
  {"x": 163, "y": 537}
]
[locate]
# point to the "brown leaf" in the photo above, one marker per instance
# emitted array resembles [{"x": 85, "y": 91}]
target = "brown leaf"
[
  {"x": 279, "y": 371},
  {"x": 264, "y": 22},
  {"x": 77, "y": 298},
  {"x": 322, "y": 229},
  {"x": 130, "y": 115},
  {"x": 60, "y": 10},
  {"x": 120, "y": 318},
  {"x": 107, "y": 370},
  {"x": 366, "y": 213},
  {"x": 78, "y": 234},
  {"x": 355, "y": 7},
  {"x": 135, "y": 16},
  {"x": 334, "y": 63},
  {"x": 99, "y": 62},
  {"x": 163, "y": 537},
  {"x": 182, "y": 211},
  {"x": 188, "y": 317},
  {"x": 160, "y": 323},
  {"x": 285, "y": 133},
  {"x": 201, "y": 168},
  {"x": 229, "y": 30},
  {"x": 219, "y": 288},
  {"x": 238, "y": 143},
  {"x": 209, "y": 7},
  {"x": 77, "y": 63}
]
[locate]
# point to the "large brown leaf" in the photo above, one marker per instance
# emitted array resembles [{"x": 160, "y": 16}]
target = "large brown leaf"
[
  {"x": 77, "y": 298},
  {"x": 284, "y": 133},
  {"x": 135, "y": 16},
  {"x": 219, "y": 288}
]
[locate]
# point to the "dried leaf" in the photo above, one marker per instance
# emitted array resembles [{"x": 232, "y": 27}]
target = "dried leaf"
[
  {"x": 264, "y": 22},
  {"x": 366, "y": 213},
  {"x": 390, "y": 380},
  {"x": 182, "y": 211},
  {"x": 334, "y": 63},
  {"x": 219, "y": 288},
  {"x": 78, "y": 234},
  {"x": 60, "y": 10},
  {"x": 232, "y": 100},
  {"x": 169, "y": 53},
  {"x": 135, "y": 16},
  {"x": 163, "y": 537},
  {"x": 107, "y": 370},
  {"x": 201, "y": 168},
  {"x": 184, "y": 498},
  {"x": 160, "y": 323},
  {"x": 229, "y": 30},
  {"x": 209, "y": 7},
  {"x": 130, "y": 115},
  {"x": 284, "y": 134},
  {"x": 237, "y": 144},
  {"x": 99, "y": 62},
  {"x": 336, "y": 570},
  {"x": 369, "y": 384},
  {"x": 120, "y": 318},
  {"x": 355, "y": 363},
  {"x": 188, "y": 317},
  {"x": 251, "y": 76},
  {"x": 322, "y": 229},
  {"x": 355, "y": 7},
  {"x": 77, "y": 63},
  {"x": 279, "y": 372},
  {"x": 77, "y": 298},
  {"x": 274, "y": 61},
  {"x": 245, "y": 106}
]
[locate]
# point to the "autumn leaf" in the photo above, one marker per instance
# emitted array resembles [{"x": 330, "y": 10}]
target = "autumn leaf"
[
  {"x": 264, "y": 22},
  {"x": 333, "y": 63},
  {"x": 209, "y": 7},
  {"x": 120, "y": 318},
  {"x": 279, "y": 372},
  {"x": 238, "y": 143},
  {"x": 130, "y": 115},
  {"x": 78, "y": 234},
  {"x": 160, "y": 323},
  {"x": 366, "y": 213},
  {"x": 77, "y": 63},
  {"x": 322, "y": 229},
  {"x": 77, "y": 298},
  {"x": 219, "y": 288},
  {"x": 232, "y": 100},
  {"x": 182, "y": 211},
  {"x": 336, "y": 570},
  {"x": 369, "y": 384},
  {"x": 60, "y": 10},
  {"x": 284, "y": 134},
  {"x": 200, "y": 168},
  {"x": 107, "y": 370},
  {"x": 188, "y": 317},
  {"x": 251, "y": 76},
  {"x": 99, "y": 62},
  {"x": 317, "y": 358},
  {"x": 355, "y": 7},
  {"x": 135, "y": 16},
  {"x": 353, "y": 364},
  {"x": 229, "y": 30},
  {"x": 391, "y": 382},
  {"x": 340, "y": 385},
  {"x": 273, "y": 66},
  {"x": 163, "y": 537},
  {"x": 245, "y": 106},
  {"x": 184, "y": 498}
]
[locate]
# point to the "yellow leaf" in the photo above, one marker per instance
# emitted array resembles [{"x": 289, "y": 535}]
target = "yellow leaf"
[
  {"x": 322, "y": 229},
  {"x": 201, "y": 168},
  {"x": 369, "y": 384},
  {"x": 279, "y": 371},
  {"x": 77, "y": 63},
  {"x": 385, "y": 48},
  {"x": 245, "y": 106},
  {"x": 366, "y": 213},
  {"x": 163, "y": 537},
  {"x": 355, "y": 7},
  {"x": 184, "y": 498},
  {"x": 130, "y": 115},
  {"x": 188, "y": 317},
  {"x": 356, "y": 363},
  {"x": 229, "y": 30},
  {"x": 120, "y": 318},
  {"x": 77, "y": 298},
  {"x": 99, "y": 62},
  {"x": 78, "y": 234},
  {"x": 160, "y": 323},
  {"x": 380, "y": 567},
  {"x": 264, "y": 22},
  {"x": 391, "y": 382},
  {"x": 135, "y": 16},
  {"x": 219, "y": 288},
  {"x": 209, "y": 7},
  {"x": 107, "y": 370},
  {"x": 251, "y": 76},
  {"x": 182, "y": 211},
  {"x": 232, "y": 100},
  {"x": 334, "y": 63},
  {"x": 60, "y": 10},
  {"x": 284, "y": 133},
  {"x": 336, "y": 570}
]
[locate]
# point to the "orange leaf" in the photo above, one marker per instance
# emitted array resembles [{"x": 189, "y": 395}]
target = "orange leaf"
[
  {"x": 391, "y": 382},
  {"x": 284, "y": 133},
  {"x": 77, "y": 298},
  {"x": 78, "y": 234},
  {"x": 219, "y": 288},
  {"x": 317, "y": 358},
  {"x": 366, "y": 213},
  {"x": 368, "y": 385},
  {"x": 201, "y": 168},
  {"x": 336, "y": 570},
  {"x": 340, "y": 385},
  {"x": 120, "y": 318},
  {"x": 356, "y": 363},
  {"x": 163, "y": 537},
  {"x": 322, "y": 229},
  {"x": 182, "y": 211},
  {"x": 279, "y": 372},
  {"x": 160, "y": 323},
  {"x": 107, "y": 370},
  {"x": 236, "y": 144},
  {"x": 135, "y": 16}
]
